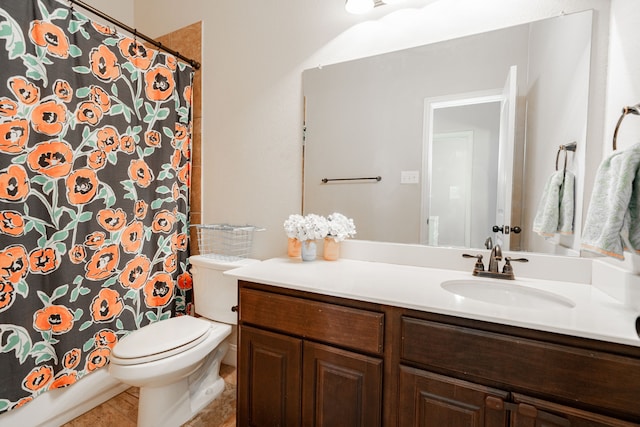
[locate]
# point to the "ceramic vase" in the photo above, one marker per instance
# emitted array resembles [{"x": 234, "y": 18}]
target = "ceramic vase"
[
  {"x": 308, "y": 250},
  {"x": 331, "y": 249},
  {"x": 293, "y": 247}
]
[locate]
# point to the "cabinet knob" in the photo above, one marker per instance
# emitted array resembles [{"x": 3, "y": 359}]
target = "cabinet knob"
[
  {"x": 234, "y": 308},
  {"x": 528, "y": 410},
  {"x": 493, "y": 402}
]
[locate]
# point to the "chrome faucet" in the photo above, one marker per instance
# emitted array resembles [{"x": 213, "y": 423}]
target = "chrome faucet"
[
  {"x": 494, "y": 264},
  {"x": 488, "y": 243},
  {"x": 495, "y": 258}
]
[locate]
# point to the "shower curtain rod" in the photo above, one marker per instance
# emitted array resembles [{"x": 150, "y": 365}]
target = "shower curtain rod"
[{"x": 195, "y": 64}]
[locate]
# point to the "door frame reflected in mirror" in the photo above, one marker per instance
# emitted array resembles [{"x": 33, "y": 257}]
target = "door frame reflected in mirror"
[{"x": 487, "y": 157}]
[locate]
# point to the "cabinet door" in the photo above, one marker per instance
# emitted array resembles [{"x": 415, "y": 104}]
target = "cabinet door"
[
  {"x": 531, "y": 412},
  {"x": 431, "y": 400},
  {"x": 341, "y": 388},
  {"x": 269, "y": 375}
]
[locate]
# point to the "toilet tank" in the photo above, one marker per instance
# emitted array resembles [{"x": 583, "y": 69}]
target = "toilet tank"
[{"x": 214, "y": 294}]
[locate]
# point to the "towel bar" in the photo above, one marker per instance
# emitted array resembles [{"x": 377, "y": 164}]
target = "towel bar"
[
  {"x": 377, "y": 178},
  {"x": 634, "y": 109},
  {"x": 568, "y": 147}
]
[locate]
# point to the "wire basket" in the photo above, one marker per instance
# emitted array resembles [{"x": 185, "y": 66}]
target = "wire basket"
[{"x": 224, "y": 241}]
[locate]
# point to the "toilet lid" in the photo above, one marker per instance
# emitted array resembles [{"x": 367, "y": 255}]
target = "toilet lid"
[{"x": 162, "y": 339}]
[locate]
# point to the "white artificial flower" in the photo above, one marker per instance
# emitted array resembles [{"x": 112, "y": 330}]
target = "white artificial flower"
[
  {"x": 308, "y": 227},
  {"x": 292, "y": 225},
  {"x": 340, "y": 227},
  {"x": 315, "y": 227}
]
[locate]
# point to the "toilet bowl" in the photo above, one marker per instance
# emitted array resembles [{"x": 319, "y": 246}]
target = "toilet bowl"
[{"x": 176, "y": 362}]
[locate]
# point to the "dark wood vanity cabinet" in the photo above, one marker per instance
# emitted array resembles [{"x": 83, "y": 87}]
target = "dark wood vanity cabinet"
[
  {"x": 304, "y": 362},
  {"x": 533, "y": 382},
  {"x": 269, "y": 377},
  {"x": 341, "y": 388},
  {"x": 431, "y": 400},
  {"x": 314, "y": 360},
  {"x": 529, "y": 412}
]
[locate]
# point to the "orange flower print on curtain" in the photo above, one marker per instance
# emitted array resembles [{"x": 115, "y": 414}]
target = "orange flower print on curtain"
[
  {"x": 95, "y": 134},
  {"x": 13, "y": 135}
]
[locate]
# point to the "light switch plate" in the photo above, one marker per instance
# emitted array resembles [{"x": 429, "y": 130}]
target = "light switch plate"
[{"x": 409, "y": 177}]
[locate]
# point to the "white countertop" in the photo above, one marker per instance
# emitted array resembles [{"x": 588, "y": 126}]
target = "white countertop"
[{"x": 595, "y": 315}]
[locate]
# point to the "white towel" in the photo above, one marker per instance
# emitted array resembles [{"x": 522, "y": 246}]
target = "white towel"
[
  {"x": 612, "y": 211},
  {"x": 556, "y": 206}
]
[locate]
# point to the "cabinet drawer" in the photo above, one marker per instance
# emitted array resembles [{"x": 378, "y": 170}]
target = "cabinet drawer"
[
  {"x": 579, "y": 376},
  {"x": 334, "y": 324}
]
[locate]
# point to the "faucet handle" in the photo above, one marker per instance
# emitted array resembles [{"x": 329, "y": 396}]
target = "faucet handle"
[
  {"x": 479, "y": 265},
  {"x": 508, "y": 269},
  {"x": 507, "y": 259}
]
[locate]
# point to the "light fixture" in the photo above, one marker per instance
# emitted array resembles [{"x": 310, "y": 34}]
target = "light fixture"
[{"x": 359, "y": 6}]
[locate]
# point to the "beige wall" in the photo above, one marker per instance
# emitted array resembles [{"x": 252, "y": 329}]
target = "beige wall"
[
  {"x": 122, "y": 10},
  {"x": 623, "y": 86},
  {"x": 254, "y": 53}
]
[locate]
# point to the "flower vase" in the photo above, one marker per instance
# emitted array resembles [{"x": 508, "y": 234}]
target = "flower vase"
[
  {"x": 293, "y": 247},
  {"x": 331, "y": 249},
  {"x": 308, "y": 250}
]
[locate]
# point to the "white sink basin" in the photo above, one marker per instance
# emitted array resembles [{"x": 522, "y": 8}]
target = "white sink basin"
[{"x": 508, "y": 294}]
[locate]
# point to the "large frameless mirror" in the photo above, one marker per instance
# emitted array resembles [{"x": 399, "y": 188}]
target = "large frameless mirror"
[{"x": 463, "y": 133}]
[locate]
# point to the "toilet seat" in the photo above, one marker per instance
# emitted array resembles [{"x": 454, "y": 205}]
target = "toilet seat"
[{"x": 160, "y": 340}]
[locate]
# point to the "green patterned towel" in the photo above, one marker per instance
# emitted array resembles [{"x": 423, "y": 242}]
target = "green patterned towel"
[
  {"x": 612, "y": 210},
  {"x": 567, "y": 204},
  {"x": 556, "y": 206}
]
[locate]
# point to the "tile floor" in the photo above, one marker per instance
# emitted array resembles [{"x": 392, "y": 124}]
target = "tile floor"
[{"x": 122, "y": 410}]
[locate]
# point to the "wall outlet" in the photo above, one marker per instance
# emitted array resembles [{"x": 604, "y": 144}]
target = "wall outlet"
[{"x": 409, "y": 177}]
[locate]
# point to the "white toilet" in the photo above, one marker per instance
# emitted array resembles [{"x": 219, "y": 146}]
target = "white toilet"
[{"x": 176, "y": 362}]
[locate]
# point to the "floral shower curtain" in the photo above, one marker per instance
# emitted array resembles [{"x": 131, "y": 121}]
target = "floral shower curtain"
[{"x": 94, "y": 187}]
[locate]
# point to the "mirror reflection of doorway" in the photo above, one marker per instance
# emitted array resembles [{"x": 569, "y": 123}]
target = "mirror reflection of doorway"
[
  {"x": 460, "y": 197},
  {"x": 472, "y": 180}
]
